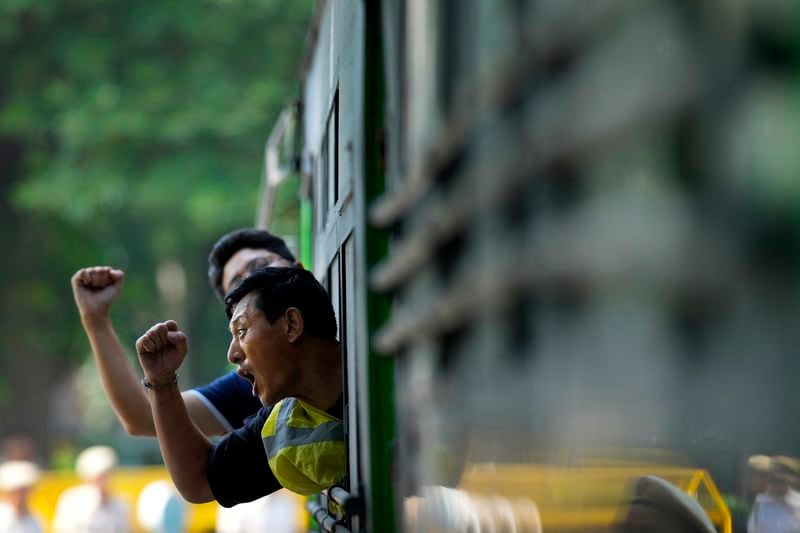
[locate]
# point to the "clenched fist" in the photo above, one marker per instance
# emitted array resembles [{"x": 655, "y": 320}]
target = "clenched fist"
[
  {"x": 161, "y": 351},
  {"x": 95, "y": 289}
]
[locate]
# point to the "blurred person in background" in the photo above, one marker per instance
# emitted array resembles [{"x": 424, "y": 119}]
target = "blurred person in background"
[
  {"x": 279, "y": 512},
  {"x": 661, "y": 507},
  {"x": 17, "y": 478},
  {"x": 759, "y": 468},
  {"x": 284, "y": 343},
  {"x": 90, "y": 507},
  {"x": 217, "y": 408},
  {"x": 756, "y": 478},
  {"x": 160, "y": 509},
  {"x": 777, "y": 509}
]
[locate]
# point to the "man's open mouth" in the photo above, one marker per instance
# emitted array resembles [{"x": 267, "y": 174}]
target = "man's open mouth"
[{"x": 246, "y": 375}]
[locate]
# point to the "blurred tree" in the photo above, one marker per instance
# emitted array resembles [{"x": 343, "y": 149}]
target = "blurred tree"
[{"x": 131, "y": 134}]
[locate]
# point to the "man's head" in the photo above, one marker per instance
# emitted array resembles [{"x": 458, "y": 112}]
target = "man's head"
[
  {"x": 279, "y": 319},
  {"x": 240, "y": 252},
  {"x": 758, "y": 473},
  {"x": 17, "y": 478},
  {"x": 94, "y": 465}
]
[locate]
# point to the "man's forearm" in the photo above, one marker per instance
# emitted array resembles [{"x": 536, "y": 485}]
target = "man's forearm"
[
  {"x": 183, "y": 447},
  {"x": 118, "y": 378}
]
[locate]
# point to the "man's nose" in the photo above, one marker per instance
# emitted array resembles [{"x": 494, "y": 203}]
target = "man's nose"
[{"x": 235, "y": 355}]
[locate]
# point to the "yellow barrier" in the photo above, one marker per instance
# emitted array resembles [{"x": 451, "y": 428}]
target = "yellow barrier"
[
  {"x": 126, "y": 484},
  {"x": 589, "y": 498}
]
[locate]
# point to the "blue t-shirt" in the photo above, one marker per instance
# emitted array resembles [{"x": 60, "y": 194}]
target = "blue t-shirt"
[{"x": 230, "y": 399}]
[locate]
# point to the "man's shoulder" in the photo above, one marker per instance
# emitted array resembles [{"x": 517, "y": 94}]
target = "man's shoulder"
[
  {"x": 766, "y": 499},
  {"x": 227, "y": 384},
  {"x": 229, "y": 398},
  {"x": 250, "y": 429},
  {"x": 793, "y": 498},
  {"x": 257, "y": 420}
]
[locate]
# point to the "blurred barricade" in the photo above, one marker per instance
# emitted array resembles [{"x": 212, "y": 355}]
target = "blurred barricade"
[
  {"x": 589, "y": 498},
  {"x": 127, "y": 483}
]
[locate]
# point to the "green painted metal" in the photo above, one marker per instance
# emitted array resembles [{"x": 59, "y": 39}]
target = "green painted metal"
[
  {"x": 306, "y": 233},
  {"x": 380, "y": 371}
]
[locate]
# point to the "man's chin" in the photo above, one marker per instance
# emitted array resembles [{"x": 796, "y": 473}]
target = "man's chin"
[
  {"x": 268, "y": 400},
  {"x": 261, "y": 395}
]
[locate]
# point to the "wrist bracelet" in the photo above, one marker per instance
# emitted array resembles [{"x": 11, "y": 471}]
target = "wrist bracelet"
[{"x": 147, "y": 384}]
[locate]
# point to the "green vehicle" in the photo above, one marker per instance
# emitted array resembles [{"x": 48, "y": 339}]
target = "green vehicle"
[{"x": 549, "y": 228}]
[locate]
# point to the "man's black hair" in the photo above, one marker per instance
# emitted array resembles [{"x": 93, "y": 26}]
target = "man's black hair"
[
  {"x": 280, "y": 288},
  {"x": 232, "y": 242}
]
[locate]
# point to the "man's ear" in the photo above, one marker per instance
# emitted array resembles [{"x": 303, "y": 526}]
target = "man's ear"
[{"x": 294, "y": 324}]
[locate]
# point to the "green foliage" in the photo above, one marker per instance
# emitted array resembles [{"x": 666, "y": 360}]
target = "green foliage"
[
  {"x": 130, "y": 105},
  {"x": 135, "y": 132}
]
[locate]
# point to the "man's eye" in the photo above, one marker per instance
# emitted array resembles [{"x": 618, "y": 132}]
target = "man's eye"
[{"x": 240, "y": 332}]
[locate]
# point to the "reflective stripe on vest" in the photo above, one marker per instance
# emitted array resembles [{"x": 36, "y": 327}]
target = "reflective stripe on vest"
[{"x": 296, "y": 436}]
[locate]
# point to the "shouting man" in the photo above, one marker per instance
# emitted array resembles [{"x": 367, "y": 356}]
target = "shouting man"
[{"x": 284, "y": 343}]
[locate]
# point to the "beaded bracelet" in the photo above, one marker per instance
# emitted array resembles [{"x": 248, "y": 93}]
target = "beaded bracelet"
[{"x": 150, "y": 386}]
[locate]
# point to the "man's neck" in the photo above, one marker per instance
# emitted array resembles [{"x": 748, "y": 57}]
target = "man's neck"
[
  {"x": 778, "y": 492},
  {"x": 322, "y": 375}
]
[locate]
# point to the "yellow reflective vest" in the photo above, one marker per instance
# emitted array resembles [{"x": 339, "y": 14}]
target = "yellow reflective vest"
[{"x": 305, "y": 446}]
